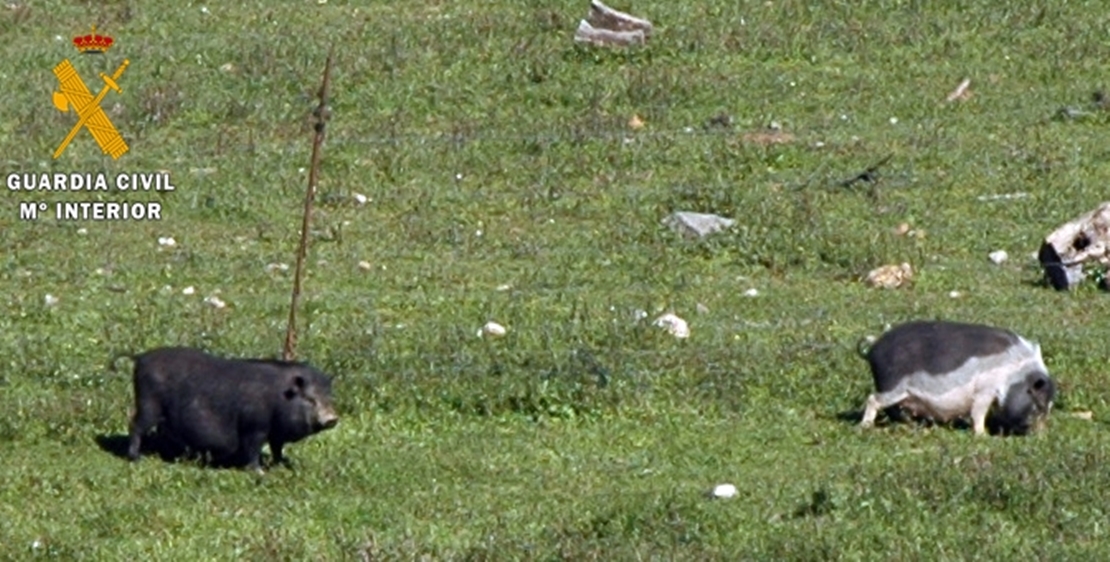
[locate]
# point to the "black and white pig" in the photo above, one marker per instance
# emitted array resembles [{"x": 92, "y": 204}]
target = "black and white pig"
[
  {"x": 947, "y": 370},
  {"x": 227, "y": 408}
]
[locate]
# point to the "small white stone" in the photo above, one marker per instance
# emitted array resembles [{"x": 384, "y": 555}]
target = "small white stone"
[
  {"x": 215, "y": 301},
  {"x": 893, "y": 120},
  {"x": 365, "y": 265},
  {"x": 675, "y": 325},
  {"x": 272, "y": 267},
  {"x": 50, "y": 300},
  {"x": 751, "y": 292},
  {"x": 505, "y": 287},
  {"x": 955, "y": 294},
  {"x": 724, "y": 491},
  {"x": 204, "y": 9},
  {"x": 890, "y": 276},
  {"x": 492, "y": 329},
  {"x": 82, "y": 231},
  {"x": 166, "y": 241},
  {"x": 362, "y": 199},
  {"x": 188, "y": 290},
  {"x": 998, "y": 256}
]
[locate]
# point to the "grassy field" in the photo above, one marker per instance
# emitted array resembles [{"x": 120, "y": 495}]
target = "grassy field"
[{"x": 504, "y": 183}]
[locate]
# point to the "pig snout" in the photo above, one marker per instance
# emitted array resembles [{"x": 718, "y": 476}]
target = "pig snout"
[{"x": 326, "y": 418}]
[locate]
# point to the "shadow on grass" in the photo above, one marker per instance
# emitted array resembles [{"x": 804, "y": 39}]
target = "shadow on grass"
[
  {"x": 117, "y": 445},
  {"x": 895, "y": 416},
  {"x": 892, "y": 416},
  {"x": 169, "y": 451},
  {"x": 850, "y": 416}
]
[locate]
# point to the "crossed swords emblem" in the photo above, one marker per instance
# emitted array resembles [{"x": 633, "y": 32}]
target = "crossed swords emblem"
[{"x": 91, "y": 116}]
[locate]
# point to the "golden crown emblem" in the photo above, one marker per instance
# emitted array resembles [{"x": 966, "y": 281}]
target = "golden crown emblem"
[{"x": 93, "y": 43}]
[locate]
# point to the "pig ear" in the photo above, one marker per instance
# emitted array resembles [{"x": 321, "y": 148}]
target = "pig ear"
[{"x": 297, "y": 388}]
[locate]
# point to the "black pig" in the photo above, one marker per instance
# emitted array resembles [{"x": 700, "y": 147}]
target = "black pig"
[{"x": 228, "y": 407}]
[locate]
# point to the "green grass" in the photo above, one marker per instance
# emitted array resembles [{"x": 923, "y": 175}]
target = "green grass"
[{"x": 459, "y": 117}]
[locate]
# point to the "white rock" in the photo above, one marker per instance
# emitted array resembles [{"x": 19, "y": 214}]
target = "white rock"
[
  {"x": 675, "y": 325},
  {"x": 724, "y": 491},
  {"x": 215, "y": 302},
  {"x": 365, "y": 265},
  {"x": 751, "y": 293},
  {"x": 50, "y": 300},
  {"x": 960, "y": 92},
  {"x": 82, "y": 230},
  {"x": 998, "y": 256},
  {"x": 362, "y": 199},
  {"x": 188, "y": 290},
  {"x": 504, "y": 287},
  {"x": 697, "y": 225},
  {"x": 166, "y": 241},
  {"x": 890, "y": 276},
  {"x": 492, "y": 329},
  {"x": 272, "y": 267},
  {"x": 955, "y": 294}
]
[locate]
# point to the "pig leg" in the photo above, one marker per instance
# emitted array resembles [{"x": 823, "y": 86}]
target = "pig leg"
[
  {"x": 979, "y": 410},
  {"x": 880, "y": 401},
  {"x": 276, "y": 452},
  {"x": 146, "y": 417},
  {"x": 251, "y": 447}
]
